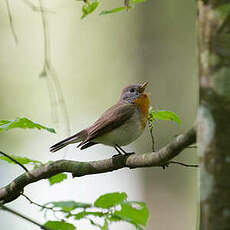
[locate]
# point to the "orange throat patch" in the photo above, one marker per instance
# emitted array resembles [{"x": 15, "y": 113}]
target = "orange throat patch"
[{"x": 143, "y": 104}]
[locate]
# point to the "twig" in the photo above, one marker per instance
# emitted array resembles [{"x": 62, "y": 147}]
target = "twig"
[
  {"x": 3, "y": 207},
  {"x": 152, "y": 138},
  {"x": 15, "y": 161},
  {"x": 78, "y": 169},
  {"x": 50, "y": 72},
  {"x": 36, "y": 8},
  {"x": 39, "y": 205},
  {"x": 11, "y": 21},
  {"x": 53, "y": 99},
  {"x": 183, "y": 164},
  {"x": 179, "y": 163},
  {"x": 43, "y": 206}
]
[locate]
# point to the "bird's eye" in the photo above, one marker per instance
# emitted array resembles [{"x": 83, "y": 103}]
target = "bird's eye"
[{"x": 132, "y": 90}]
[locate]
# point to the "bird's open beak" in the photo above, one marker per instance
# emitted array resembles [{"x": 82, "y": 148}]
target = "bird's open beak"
[{"x": 143, "y": 86}]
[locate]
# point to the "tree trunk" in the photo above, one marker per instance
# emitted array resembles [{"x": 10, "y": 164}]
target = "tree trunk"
[{"x": 214, "y": 113}]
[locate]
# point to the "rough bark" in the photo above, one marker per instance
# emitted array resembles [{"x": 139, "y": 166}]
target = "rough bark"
[{"x": 214, "y": 113}]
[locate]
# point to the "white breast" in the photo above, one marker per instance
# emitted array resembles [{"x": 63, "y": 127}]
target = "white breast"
[{"x": 124, "y": 134}]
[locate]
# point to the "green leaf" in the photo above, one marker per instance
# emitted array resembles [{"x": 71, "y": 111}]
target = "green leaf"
[
  {"x": 67, "y": 206},
  {"x": 115, "y": 10},
  {"x": 114, "y": 218},
  {"x": 224, "y": 10},
  {"x": 163, "y": 115},
  {"x": 118, "y": 9},
  {"x": 57, "y": 178},
  {"x": 133, "y": 212},
  {"x": 22, "y": 160},
  {"x": 105, "y": 226},
  {"x": 59, "y": 225},
  {"x": 88, "y": 8},
  {"x": 137, "y": 1},
  {"x": 83, "y": 214},
  {"x": 23, "y": 123},
  {"x": 110, "y": 199},
  {"x": 94, "y": 223}
]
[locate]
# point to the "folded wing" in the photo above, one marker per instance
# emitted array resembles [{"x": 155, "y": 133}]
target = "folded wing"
[{"x": 111, "y": 119}]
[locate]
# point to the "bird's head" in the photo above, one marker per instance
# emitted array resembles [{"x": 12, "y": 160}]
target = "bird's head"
[{"x": 132, "y": 92}]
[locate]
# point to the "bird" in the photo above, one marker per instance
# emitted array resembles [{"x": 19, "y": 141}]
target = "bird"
[{"x": 118, "y": 126}]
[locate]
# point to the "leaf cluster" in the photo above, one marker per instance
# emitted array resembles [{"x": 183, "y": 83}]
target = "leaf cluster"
[
  {"x": 90, "y": 6},
  {"x": 107, "y": 209},
  {"x": 25, "y": 123}
]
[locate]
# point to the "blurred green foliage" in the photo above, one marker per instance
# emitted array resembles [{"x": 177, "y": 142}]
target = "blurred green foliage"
[
  {"x": 23, "y": 123},
  {"x": 59, "y": 225},
  {"x": 108, "y": 208},
  {"x": 22, "y": 160},
  {"x": 90, "y": 7}
]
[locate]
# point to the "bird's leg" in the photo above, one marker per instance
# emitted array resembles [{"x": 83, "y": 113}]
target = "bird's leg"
[
  {"x": 117, "y": 158},
  {"x": 119, "y": 152},
  {"x": 120, "y": 159},
  {"x": 118, "y": 148}
]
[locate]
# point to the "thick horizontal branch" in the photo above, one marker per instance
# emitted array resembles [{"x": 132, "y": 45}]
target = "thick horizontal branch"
[{"x": 159, "y": 158}]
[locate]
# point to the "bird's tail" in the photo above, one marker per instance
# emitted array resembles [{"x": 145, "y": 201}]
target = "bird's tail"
[{"x": 70, "y": 140}]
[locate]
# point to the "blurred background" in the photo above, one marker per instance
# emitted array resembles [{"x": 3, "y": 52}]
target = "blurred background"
[{"x": 94, "y": 59}]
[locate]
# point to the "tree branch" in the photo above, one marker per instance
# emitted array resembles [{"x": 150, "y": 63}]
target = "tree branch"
[
  {"x": 11, "y": 21},
  {"x": 13, "y": 190},
  {"x": 15, "y": 161},
  {"x": 4, "y": 208}
]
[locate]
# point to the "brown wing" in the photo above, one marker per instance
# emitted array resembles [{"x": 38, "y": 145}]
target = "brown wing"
[{"x": 110, "y": 119}]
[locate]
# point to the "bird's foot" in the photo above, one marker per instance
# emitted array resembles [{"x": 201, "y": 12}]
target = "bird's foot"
[
  {"x": 119, "y": 155},
  {"x": 165, "y": 165},
  {"x": 119, "y": 160},
  {"x": 129, "y": 154}
]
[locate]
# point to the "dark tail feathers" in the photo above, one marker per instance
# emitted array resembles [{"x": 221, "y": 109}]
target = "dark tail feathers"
[{"x": 70, "y": 140}]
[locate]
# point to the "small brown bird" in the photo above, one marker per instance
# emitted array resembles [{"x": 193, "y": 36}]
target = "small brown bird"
[{"x": 118, "y": 126}]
